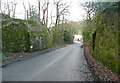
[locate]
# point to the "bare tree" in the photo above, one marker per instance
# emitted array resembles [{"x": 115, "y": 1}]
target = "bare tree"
[
  {"x": 39, "y": 10},
  {"x": 45, "y": 12},
  {"x": 1, "y": 6},
  {"x": 14, "y": 8},
  {"x": 29, "y": 8},
  {"x": 24, "y": 10},
  {"x": 27, "y": 14},
  {"x": 8, "y": 8},
  {"x": 5, "y": 8},
  {"x": 88, "y": 7},
  {"x": 51, "y": 18},
  {"x": 61, "y": 9}
]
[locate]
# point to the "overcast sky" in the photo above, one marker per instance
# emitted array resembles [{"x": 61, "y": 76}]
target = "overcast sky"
[{"x": 76, "y": 12}]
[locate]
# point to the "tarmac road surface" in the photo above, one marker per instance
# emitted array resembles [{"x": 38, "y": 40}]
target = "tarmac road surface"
[{"x": 64, "y": 64}]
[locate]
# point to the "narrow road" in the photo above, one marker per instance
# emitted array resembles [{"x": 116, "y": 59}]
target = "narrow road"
[{"x": 64, "y": 64}]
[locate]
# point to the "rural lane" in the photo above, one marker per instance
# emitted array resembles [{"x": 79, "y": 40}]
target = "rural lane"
[{"x": 64, "y": 64}]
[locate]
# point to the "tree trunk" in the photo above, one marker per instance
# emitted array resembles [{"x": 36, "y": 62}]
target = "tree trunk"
[
  {"x": 57, "y": 15},
  {"x": 38, "y": 10},
  {"x": 47, "y": 14}
]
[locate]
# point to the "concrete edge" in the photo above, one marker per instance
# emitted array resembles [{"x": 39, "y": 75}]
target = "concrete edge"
[{"x": 31, "y": 55}]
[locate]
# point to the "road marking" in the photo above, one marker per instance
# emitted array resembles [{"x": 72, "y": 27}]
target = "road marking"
[{"x": 43, "y": 69}]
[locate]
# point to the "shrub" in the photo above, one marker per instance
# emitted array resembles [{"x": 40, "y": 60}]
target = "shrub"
[
  {"x": 15, "y": 37},
  {"x": 106, "y": 47},
  {"x": 57, "y": 36},
  {"x": 48, "y": 37},
  {"x": 106, "y": 43},
  {"x": 68, "y": 37}
]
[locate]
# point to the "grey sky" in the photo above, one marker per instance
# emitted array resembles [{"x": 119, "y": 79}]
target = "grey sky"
[{"x": 76, "y": 13}]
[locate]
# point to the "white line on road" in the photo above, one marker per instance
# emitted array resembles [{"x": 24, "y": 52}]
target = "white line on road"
[{"x": 44, "y": 68}]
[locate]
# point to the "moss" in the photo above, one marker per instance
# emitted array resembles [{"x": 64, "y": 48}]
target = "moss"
[
  {"x": 15, "y": 37},
  {"x": 32, "y": 22},
  {"x": 106, "y": 49},
  {"x": 19, "y": 35}
]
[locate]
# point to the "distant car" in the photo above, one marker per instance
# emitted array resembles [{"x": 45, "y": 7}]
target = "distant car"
[{"x": 82, "y": 45}]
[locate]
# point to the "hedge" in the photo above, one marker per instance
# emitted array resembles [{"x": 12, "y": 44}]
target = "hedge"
[
  {"x": 103, "y": 42},
  {"x": 15, "y": 38}
]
